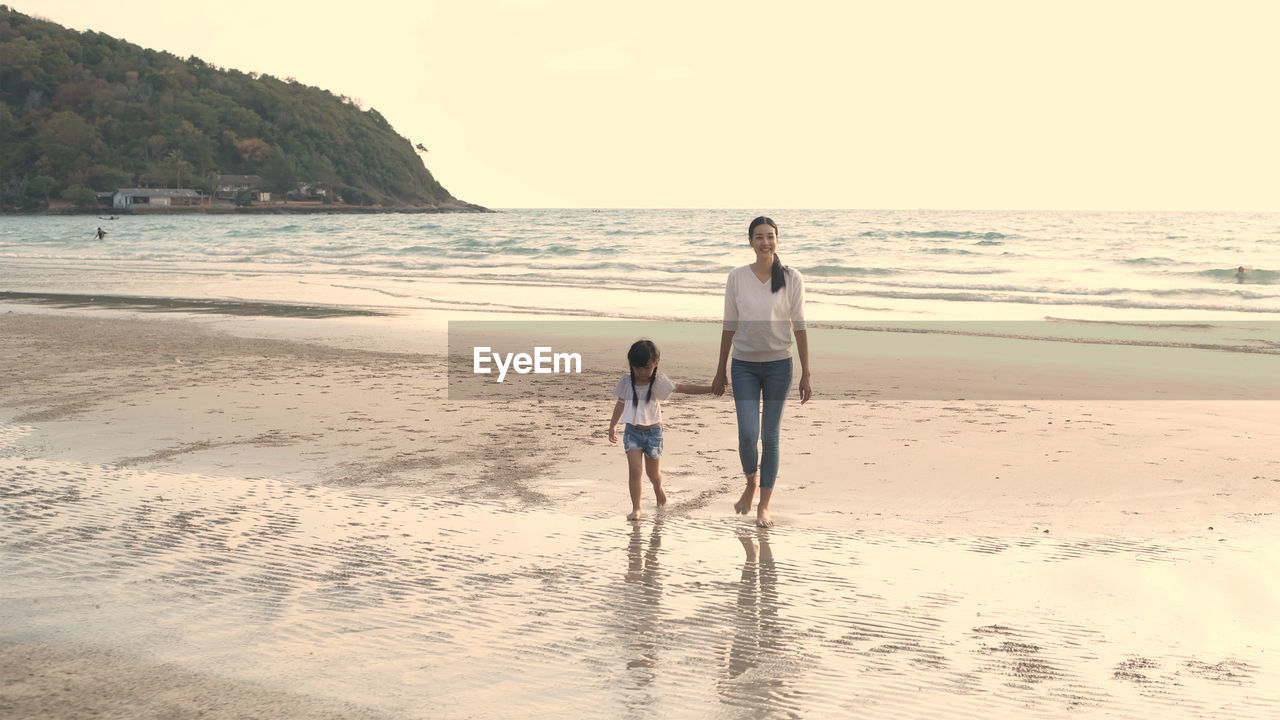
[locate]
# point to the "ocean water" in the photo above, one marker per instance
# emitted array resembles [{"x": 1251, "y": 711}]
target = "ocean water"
[{"x": 664, "y": 264}]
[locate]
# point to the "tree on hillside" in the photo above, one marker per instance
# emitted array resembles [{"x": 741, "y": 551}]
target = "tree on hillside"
[
  {"x": 178, "y": 164},
  {"x": 253, "y": 151},
  {"x": 67, "y": 142},
  {"x": 41, "y": 186},
  {"x": 89, "y": 110}
]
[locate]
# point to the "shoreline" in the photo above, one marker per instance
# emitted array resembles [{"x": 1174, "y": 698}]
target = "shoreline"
[
  {"x": 265, "y": 391},
  {"x": 293, "y": 209}
]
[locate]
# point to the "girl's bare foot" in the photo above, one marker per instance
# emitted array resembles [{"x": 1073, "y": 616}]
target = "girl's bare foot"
[
  {"x": 634, "y": 516},
  {"x": 660, "y": 494}
]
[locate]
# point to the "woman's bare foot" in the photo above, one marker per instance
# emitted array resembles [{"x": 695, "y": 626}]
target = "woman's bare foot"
[
  {"x": 762, "y": 510},
  {"x": 634, "y": 516},
  {"x": 743, "y": 506},
  {"x": 762, "y": 517}
]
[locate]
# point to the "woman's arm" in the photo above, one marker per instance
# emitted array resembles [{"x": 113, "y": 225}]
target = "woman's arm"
[
  {"x": 802, "y": 335},
  {"x": 802, "y": 349},
  {"x": 726, "y": 337},
  {"x": 722, "y": 372}
]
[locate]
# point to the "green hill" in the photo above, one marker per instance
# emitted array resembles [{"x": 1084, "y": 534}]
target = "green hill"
[{"x": 85, "y": 112}]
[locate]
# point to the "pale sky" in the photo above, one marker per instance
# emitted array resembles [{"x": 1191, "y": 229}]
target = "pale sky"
[{"x": 898, "y": 104}]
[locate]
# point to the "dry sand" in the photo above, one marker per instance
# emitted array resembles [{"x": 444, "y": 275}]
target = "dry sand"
[{"x": 217, "y": 518}]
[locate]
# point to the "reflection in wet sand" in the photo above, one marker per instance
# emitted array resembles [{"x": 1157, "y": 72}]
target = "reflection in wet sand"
[
  {"x": 642, "y": 610},
  {"x": 428, "y": 607},
  {"x": 753, "y": 679}
]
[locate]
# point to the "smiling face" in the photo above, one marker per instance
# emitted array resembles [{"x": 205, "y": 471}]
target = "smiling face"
[{"x": 764, "y": 240}]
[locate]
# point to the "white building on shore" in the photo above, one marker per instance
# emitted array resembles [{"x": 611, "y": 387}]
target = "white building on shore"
[{"x": 128, "y": 198}]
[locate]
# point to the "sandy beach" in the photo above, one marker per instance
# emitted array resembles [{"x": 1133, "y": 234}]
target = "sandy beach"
[{"x": 264, "y": 516}]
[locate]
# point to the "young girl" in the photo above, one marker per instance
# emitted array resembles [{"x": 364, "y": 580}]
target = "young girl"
[{"x": 639, "y": 394}]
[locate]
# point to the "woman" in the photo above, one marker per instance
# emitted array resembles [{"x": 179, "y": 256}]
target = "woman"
[{"x": 763, "y": 307}]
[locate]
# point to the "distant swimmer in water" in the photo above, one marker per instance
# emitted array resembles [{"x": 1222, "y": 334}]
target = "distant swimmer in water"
[
  {"x": 1240, "y": 274},
  {"x": 101, "y": 233}
]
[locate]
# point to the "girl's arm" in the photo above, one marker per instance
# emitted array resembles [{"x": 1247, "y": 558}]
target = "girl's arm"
[
  {"x": 722, "y": 373},
  {"x": 693, "y": 389},
  {"x": 802, "y": 349},
  {"x": 613, "y": 422}
]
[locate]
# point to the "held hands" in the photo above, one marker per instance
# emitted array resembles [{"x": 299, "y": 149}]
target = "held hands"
[
  {"x": 806, "y": 386},
  {"x": 718, "y": 383}
]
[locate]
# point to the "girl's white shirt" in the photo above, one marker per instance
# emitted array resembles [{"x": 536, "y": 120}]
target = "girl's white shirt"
[
  {"x": 647, "y": 412},
  {"x": 763, "y": 321}
]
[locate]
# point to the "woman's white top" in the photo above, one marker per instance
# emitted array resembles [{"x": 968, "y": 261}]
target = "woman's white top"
[
  {"x": 763, "y": 321},
  {"x": 646, "y": 413}
]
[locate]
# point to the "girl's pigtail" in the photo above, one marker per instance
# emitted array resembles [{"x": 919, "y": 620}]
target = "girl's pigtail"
[{"x": 635, "y": 397}]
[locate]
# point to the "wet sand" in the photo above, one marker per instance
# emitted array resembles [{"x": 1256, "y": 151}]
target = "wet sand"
[{"x": 224, "y": 518}]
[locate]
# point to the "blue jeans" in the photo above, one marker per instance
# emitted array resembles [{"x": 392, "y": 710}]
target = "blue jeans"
[{"x": 751, "y": 381}]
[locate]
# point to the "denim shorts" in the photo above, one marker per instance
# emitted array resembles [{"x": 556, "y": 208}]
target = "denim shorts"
[{"x": 650, "y": 441}]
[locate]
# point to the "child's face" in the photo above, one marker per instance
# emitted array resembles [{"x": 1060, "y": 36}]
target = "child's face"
[{"x": 645, "y": 372}]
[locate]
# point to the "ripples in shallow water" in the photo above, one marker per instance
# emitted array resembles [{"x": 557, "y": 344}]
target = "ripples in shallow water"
[{"x": 404, "y": 602}]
